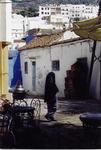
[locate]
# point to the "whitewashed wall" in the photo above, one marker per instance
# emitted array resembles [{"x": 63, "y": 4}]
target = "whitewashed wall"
[
  {"x": 67, "y": 53},
  {"x": 5, "y": 20}
]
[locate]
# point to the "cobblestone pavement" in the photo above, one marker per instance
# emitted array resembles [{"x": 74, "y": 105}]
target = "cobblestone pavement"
[
  {"x": 69, "y": 111},
  {"x": 66, "y": 132}
]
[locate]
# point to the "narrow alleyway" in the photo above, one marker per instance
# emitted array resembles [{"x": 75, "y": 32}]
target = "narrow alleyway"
[{"x": 66, "y": 132}]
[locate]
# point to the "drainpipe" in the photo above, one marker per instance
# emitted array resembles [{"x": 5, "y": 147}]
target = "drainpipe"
[{"x": 92, "y": 59}]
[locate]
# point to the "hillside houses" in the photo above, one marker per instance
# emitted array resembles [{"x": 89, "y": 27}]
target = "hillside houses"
[
  {"x": 51, "y": 17},
  {"x": 70, "y": 11}
]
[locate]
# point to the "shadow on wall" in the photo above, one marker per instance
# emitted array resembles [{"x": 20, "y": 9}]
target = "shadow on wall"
[{"x": 76, "y": 80}]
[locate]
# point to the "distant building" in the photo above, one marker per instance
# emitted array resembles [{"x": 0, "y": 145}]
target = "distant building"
[
  {"x": 70, "y": 11},
  {"x": 58, "y": 18},
  {"x": 21, "y": 26},
  {"x": 52, "y": 17},
  {"x": 18, "y": 27}
]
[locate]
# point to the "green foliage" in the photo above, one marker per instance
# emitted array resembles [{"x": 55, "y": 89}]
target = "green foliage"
[
  {"x": 60, "y": 1},
  {"x": 29, "y": 12},
  {"x": 17, "y": 1},
  {"x": 76, "y": 19},
  {"x": 30, "y": 7}
]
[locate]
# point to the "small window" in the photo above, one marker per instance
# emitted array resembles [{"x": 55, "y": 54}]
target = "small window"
[
  {"x": 55, "y": 65},
  {"x": 26, "y": 67}
]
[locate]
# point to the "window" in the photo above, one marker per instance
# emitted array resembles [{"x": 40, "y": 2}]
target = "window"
[
  {"x": 55, "y": 65},
  {"x": 10, "y": 55},
  {"x": 26, "y": 67},
  {"x": 53, "y": 13}
]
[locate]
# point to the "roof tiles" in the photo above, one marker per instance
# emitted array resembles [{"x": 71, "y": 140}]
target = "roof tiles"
[{"x": 42, "y": 41}]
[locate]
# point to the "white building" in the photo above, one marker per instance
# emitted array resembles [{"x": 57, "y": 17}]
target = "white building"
[
  {"x": 20, "y": 25},
  {"x": 70, "y": 11},
  {"x": 58, "y": 18},
  {"x": 58, "y": 15},
  {"x": 37, "y": 23},
  {"x": 18, "y": 28},
  {"x": 37, "y": 60},
  {"x": 90, "y": 12},
  {"x": 44, "y": 10}
]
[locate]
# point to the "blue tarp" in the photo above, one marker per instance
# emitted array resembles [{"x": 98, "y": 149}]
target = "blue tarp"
[
  {"x": 14, "y": 68},
  {"x": 29, "y": 38}
]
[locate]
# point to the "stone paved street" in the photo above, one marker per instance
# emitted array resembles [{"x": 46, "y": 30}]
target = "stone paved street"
[
  {"x": 66, "y": 132},
  {"x": 69, "y": 111}
]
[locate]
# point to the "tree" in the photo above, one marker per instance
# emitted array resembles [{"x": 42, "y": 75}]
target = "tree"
[
  {"x": 29, "y": 12},
  {"x": 76, "y": 19}
]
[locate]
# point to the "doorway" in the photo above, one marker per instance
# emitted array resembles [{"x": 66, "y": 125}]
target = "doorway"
[{"x": 33, "y": 75}]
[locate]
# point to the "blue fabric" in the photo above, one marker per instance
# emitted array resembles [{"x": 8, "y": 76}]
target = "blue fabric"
[
  {"x": 28, "y": 38},
  {"x": 14, "y": 68}
]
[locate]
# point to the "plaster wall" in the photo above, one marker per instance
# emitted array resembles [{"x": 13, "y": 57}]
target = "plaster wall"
[{"x": 67, "y": 54}]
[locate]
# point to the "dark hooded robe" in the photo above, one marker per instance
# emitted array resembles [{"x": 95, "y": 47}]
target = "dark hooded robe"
[{"x": 50, "y": 87}]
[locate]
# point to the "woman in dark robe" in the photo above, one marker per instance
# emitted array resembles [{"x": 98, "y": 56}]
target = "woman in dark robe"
[{"x": 50, "y": 96}]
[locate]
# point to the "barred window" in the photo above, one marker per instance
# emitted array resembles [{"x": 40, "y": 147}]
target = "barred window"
[{"x": 55, "y": 65}]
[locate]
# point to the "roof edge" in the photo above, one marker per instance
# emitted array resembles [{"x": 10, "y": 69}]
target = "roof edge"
[{"x": 59, "y": 42}]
